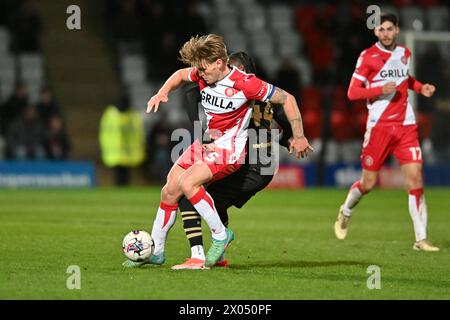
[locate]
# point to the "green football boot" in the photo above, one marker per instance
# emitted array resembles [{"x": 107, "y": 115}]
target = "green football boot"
[
  {"x": 217, "y": 249},
  {"x": 154, "y": 259}
]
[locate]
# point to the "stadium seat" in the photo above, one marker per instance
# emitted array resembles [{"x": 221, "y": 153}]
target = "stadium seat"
[
  {"x": 288, "y": 44},
  {"x": 304, "y": 67},
  {"x": 7, "y": 69},
  {"x": 280, "y": 18},
  {"x": 340, "y": 100},
  {"x": 271, "y": 65},
  {"x": 31, "y": 67},
  {"x": 428, "y": 3},
  {"x": 140, "y": 94},
  {"x": 253, "y": 18},
  {"x": 312, "y": 123},
  {"x": 438, "y": 18},
  {"x": 133, "y": 68},
  {"x": 321, "y": 55},
  {"x": 331, "y": 152},
  {"x": 261, "y": 44},
  {"x": 412, "y": 18},
  {"x": 235, "y": 42},
  {"x": 228, "y": 23},
  {"x": 424, "y": 123},
  {"x": 350, "y": 150},
  {"x": 310, "y": 98},
  {"x": 243, "y": 3},
  {"x": 34, "y": 89},
  {"x": 402, "y": 3},
  {"x": 4, "y": 41},
  {"x": 6, "y": 90},
  {"x": 305, "y": 18},
  {"x": 206, "y": 12},
  {"x": 341, "y": 125},
  {"x": 227, "y": 10},
  {"x": 359, "y": 114},
  {"x": 389, "y": 9}
]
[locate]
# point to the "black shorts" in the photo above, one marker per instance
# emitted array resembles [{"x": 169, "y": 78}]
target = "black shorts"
[
  {"x": 238, "y": 188},
  {"x": 233, "y": 190}
]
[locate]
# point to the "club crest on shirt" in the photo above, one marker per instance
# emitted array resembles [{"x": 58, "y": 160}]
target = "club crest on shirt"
[
  {"x": 404, "y": 60},
  {"x": 229, "y": 92}
]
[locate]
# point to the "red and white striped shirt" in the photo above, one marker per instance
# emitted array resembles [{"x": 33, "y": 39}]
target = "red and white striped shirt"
[
  {"x": 375, "y": 67},
  {"x": 227, "y": 106}
]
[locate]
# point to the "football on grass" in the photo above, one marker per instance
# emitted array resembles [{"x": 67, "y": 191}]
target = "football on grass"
[{"x": 138, "y": 245}]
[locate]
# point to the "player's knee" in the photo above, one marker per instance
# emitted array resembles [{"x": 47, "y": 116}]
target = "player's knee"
[
  {"x": 186, "y": 185},
  {"x": 414, "y": 180},
  {"x": 368, "y": 184},
  {"x": 168, "y": 193}
]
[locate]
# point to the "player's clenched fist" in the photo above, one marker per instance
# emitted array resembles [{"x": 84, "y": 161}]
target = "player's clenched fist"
[
  {"x": 153, "y": 103},
  {"x": 388, "y": 88},
  {"x": 427, "y": 90}
]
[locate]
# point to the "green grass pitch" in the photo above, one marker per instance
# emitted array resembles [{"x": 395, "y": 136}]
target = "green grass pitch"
[{"x": 284, "y": 247}]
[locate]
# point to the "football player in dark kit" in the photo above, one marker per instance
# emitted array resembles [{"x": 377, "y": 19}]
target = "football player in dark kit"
[{"x": 238, "y": 188}]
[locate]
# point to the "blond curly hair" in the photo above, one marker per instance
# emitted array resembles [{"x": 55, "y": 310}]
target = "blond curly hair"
[{"x": 201, "y": 50}]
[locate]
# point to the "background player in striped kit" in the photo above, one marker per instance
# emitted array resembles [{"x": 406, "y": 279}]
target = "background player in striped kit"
[{"x": 382, "y": 77}]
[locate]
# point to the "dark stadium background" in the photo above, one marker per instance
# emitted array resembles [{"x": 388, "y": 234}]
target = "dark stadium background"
[{"x": 126, "y": 48}]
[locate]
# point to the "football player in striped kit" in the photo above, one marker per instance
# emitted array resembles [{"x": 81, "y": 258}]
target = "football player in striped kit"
[
  {"x": 382, "y": 78},
  {"x": 239, "y": 187}
]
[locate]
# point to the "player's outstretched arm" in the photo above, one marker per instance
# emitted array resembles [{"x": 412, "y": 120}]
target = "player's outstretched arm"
[
  {"x": 299, "y": 143},
  {"x": 176, "y": 80}
]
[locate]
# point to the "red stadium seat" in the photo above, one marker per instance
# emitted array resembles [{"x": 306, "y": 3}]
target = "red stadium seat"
[
  {"x": 428, "y": 3},
  {"x": 402, "y": 3},
  {"x": 340, "y": 101},
  {"x": 359, "y": 115},
  {"x": 310, "y": 99},
  {"x": 322, "y": 55},
  {"x": 360, "y": 122},
  {"x": 312, "y": 123},
  {"x": 424, "y": 122},
  {"x": 341, "y": 125},
  {"x": 305, "y": 17}
]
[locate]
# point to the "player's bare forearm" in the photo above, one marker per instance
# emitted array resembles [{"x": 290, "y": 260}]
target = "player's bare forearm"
[
  {"x": 290, "y": 109},
  {"x": 176, "y": 80}
]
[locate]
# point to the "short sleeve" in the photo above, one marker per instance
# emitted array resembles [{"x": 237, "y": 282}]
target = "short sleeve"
[
  {"x": 193, "y": 75},
  {"x": 255, "y": 88}
]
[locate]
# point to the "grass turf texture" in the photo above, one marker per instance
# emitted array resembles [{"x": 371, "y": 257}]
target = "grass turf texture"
[{"x": 284, "y": 248}]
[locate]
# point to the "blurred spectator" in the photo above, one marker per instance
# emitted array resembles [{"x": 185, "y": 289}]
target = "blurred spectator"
[
  {"x": 191, "y": 23},
  {"x": 126, "y": 26},
  {"x": 13, "y": 107},
  {"x": 57, "y": 142},
  {"x": 163, "y": 55},
  {"x": 288, "y": 78},
  {"x": 26, "y": 27},
  {"x": 26, "y": 136},
  {"x": 47, "y": 106},
  {"x": 159, "y": 148},
  {"x": 6, "y": 7},
  {"x": 121, "y": 140}
]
